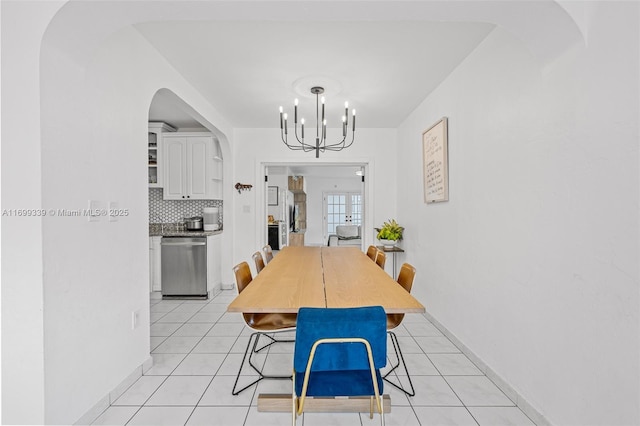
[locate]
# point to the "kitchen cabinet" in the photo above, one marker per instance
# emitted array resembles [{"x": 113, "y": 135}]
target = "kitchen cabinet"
[
  {"x": 155, "y": 152},
  {"x": 155, "y": 262},
  {"x": 192, "y": 167}
]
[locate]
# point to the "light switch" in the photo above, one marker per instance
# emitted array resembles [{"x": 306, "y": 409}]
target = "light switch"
[
  {"x": 94, "y": 211},
  {"x": 246, "y": 208}
]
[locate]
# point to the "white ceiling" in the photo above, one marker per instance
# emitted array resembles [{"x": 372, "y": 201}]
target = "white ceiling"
[{"x": 247, "y": 69}]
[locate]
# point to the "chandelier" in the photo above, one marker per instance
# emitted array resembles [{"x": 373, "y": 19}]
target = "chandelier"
[{"x": 321, "y": 128}]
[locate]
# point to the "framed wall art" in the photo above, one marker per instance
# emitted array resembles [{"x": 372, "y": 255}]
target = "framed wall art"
[
  {"x": 435, "y": 162},
  {"x": 272, "y": 196}
]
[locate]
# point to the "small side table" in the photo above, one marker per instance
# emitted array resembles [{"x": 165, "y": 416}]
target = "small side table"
[{"x": 393, "y": 250}]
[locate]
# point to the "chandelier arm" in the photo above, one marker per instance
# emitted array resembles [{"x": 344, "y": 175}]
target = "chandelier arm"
[
  {"x": 338, "y": 146},
  {"x": 295, "y": 147},
  {"x": 283, "y": 138},
  {"x": 333, "y": 145},
  {"x": 295, "y": 131},
  {"x": 303, "y": 146},
  {"x": 353, "y": 137}
]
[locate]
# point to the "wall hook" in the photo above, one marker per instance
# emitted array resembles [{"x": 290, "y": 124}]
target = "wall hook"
[{"x": 243, "y": 187}]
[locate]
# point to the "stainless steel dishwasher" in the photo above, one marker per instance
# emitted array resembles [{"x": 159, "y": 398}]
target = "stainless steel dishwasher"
[{"x": 184, "y": 267}]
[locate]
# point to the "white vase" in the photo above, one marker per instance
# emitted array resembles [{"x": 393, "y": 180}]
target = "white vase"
[{"x": 388, "y": 243}]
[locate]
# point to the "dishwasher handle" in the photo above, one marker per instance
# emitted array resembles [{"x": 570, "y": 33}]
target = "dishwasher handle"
[{"x": 183, "y": 244}]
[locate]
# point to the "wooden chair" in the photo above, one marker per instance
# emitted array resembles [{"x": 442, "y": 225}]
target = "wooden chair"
[
  {"x": 371, "y": 252},
  {"x": 339, "y": 352},
  {"x": 405, "y": 279},
  {"x": 268, "y": 253},
  {"x": 257, "y": 259},
  {"x": 261, "y": 324},
  {"x": 381, "y": 259}
]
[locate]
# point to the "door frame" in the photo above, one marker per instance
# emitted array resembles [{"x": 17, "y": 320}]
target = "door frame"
[{"x": 368, "y": 191}]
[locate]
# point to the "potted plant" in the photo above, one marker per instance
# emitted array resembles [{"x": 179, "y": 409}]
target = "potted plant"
[{"x": 390, "y": 233}]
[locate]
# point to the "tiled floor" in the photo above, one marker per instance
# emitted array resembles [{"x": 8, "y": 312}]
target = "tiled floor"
[{"x": 197, "y": 349}]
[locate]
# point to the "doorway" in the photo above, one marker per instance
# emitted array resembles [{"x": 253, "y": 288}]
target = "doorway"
[{"x": 321, "y": 179}]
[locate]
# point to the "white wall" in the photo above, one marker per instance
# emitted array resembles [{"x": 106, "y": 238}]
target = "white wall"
[
  {"x": 94, "y": 125},
  {"x": 316, "y": 187},
  {"x": 252, "y": 147},
  {"x": 282, "y": 182},
  {"x": 533, "y": 263},
  {"x": 23, "y": 384}
]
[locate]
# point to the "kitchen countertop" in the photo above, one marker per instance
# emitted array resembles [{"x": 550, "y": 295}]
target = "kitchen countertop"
[{"x": 172, "y": 230}]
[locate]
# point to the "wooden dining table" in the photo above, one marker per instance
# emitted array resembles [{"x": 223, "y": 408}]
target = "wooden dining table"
[{"x": 325, "y": 277}]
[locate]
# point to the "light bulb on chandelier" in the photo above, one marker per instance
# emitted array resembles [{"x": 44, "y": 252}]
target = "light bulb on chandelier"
[{"x": 321, "y": 128}]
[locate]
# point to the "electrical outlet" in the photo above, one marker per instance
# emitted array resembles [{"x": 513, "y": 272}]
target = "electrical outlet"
[{"x": 135, "y": 319}]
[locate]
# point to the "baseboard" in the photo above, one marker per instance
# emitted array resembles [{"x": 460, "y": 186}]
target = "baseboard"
[
  {"x": 227, "y": 286},
  {"x": 214, "y": 291},
  {"x": 94, "y": 412},
  {"x": 527, "y": 408}
]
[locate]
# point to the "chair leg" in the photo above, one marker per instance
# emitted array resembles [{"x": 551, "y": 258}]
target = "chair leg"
[
  {"x": 273, "y": 340},
  {"x": 235, "y": 385},
  {"x": 250, "y": 352},
  {"x": 400, "y": 358}
]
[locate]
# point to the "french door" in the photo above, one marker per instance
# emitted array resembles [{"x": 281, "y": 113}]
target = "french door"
[{"x": 341, "y": 208}]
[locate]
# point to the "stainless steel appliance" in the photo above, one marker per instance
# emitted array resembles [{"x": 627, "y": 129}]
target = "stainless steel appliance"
[
  {"x": 184, "y": 267},
  {"x": 194, "y": 223}
]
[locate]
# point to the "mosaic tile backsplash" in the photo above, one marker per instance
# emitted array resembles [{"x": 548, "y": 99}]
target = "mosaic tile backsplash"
[{"x": 168, "y": 211}]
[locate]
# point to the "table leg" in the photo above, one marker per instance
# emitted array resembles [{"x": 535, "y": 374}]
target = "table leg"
[{"x": 394, "y": 265}]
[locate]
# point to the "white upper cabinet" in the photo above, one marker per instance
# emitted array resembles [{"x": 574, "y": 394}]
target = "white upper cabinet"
[{"x": 191, "y": 171}]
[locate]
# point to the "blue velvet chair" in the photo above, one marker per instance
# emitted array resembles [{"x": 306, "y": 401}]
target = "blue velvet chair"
[{"x": 339, "y": 352}]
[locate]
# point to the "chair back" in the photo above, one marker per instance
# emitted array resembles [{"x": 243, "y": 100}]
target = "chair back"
[
  {"x": 318, "y": 323},
  {"x": 405, "y": 279},
  {"x": 381, "y": 258},
  {"x": 243, "y": 276},
  {"x": 257, "y": 259},
  {"x": 371, "y": 252},
  {"x": 268, "y": 253},
  {"x": 406, "y": 276}
]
